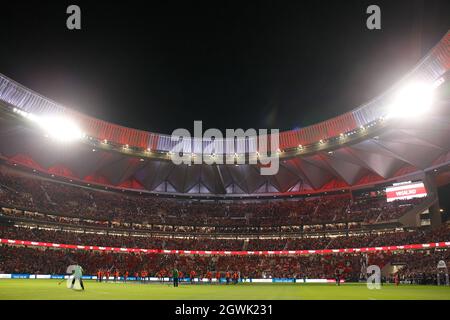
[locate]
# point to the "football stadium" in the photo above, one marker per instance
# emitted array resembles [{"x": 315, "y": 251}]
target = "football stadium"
[{"x": 94, "y": 210}]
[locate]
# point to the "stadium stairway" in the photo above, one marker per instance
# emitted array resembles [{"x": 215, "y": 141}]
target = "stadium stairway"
[{"x": 245, "y": 245}]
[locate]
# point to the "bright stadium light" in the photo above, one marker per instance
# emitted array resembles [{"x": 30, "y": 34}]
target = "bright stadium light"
[
  {"x": 60, "y": 128},
  {"x": 412, "y": 100}
]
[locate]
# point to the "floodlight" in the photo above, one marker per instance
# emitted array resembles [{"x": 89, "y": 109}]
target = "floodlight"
[
  {"x": 411, "y": 101},
  {"x": 60, "y": 128}
]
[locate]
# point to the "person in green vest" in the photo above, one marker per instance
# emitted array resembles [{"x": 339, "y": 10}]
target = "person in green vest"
[{"x": 175, "y": 274}]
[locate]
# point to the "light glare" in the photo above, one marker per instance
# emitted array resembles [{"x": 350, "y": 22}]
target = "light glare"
[
  {"x": 412, "y": 100},
  {"x": 60, "y": 129}
]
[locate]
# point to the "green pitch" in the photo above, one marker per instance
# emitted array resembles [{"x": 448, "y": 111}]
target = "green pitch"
[{"x": 49, "y": 289}]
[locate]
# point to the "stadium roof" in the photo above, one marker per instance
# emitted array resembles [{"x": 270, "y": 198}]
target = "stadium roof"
[{"x": 364, "y": 146}]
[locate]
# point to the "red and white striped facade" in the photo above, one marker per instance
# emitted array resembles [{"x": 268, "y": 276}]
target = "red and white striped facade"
[{"x": 224, "y": 252}]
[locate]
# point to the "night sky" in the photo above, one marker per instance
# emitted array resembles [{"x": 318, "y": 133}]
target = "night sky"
[{"x": 232, "y": 64}]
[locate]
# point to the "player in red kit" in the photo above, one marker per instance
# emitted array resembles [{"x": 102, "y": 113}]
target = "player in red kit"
[
  {"x": 192, "y": 276},
  {"x": 218, "y": 277},
  {"x": 143, "y": 276},
  {"x": 235, "y": 277},
  {"x": 397, "y": 279}
]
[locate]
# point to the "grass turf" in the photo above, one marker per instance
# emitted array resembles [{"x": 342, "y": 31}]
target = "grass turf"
[{"x": 49, "y": 289}]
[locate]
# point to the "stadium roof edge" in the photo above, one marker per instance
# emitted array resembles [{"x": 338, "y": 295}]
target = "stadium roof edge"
[{"x": 430, "y": 68}]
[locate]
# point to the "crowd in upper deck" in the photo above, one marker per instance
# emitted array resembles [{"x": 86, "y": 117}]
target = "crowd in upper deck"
[{"x": 59, "y": 202}]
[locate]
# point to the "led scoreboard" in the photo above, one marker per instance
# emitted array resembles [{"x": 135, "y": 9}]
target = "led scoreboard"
[{"x": 405, "y": 191}]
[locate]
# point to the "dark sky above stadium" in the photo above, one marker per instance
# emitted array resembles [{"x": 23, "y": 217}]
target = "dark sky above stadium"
[{"x": 160, "y": 65}]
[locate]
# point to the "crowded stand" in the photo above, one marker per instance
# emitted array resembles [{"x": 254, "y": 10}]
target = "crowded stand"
[
  {"x": 35, "y": 198},
  {"x": 43, "y": 210},
  {"x": 417, "y": 264},
  {"x": 190, "y": 243}
]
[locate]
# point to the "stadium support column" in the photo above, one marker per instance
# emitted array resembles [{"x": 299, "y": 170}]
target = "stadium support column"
[
  {"x": 435, "y": 216},
  {"x": 434, "y": 210}
]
